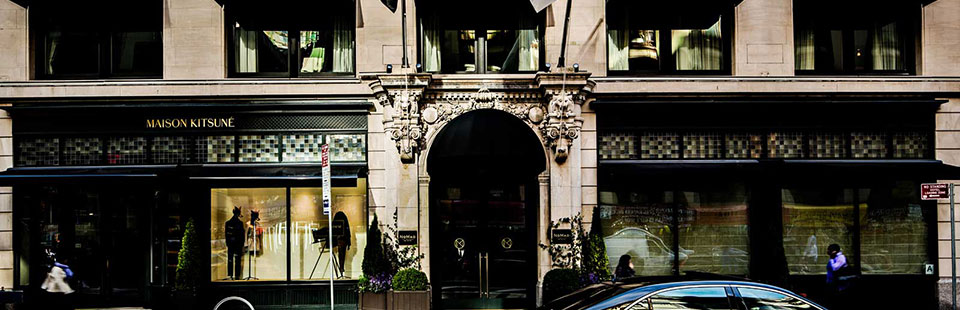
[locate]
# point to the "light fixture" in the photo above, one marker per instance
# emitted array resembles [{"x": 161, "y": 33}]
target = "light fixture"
[
  {"x": 389, "y": 68},
  {"x": 548, "y": 67},
  {"x": 576, "y": 67},
  {"x": 419, "y": 68}
]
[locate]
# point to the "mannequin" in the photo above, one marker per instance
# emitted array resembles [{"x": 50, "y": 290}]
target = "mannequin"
[
  {"x": 342, "y": 236},
  {"x": 234, "y": 235},
  {"x": 254, "y": 243}
]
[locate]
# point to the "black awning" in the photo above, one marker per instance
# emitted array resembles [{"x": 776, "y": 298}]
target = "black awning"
[{"x": 928, "y": 169}]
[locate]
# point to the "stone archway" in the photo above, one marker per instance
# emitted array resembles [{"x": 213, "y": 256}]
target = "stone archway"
[{"x": 483, "y": 211}]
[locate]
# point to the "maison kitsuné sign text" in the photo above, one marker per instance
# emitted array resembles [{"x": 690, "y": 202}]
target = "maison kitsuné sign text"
[{"x": 197, "y": 122}]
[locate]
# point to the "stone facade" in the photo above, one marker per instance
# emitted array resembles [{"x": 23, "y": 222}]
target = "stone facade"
[{"x": 410, "y": 108}]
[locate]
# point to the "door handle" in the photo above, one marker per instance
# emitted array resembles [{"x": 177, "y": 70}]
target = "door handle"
[
  {"x": 480, "y": 273},
  {"x": 486, "y": 262},
  {"x": 483, "y": 268}
]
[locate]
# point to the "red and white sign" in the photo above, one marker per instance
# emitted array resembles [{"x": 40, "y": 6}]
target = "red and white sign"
[
  {"x": 934, "y": 191},
  {"x": 325, "y": 170}
]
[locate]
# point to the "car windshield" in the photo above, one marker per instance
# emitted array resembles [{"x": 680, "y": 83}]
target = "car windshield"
[{"x": 590, "y": 295}]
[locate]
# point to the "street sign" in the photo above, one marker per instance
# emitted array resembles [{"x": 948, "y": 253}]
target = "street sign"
[
  {"x": 934, "y": 191},
  {"x": 325, "y": 170},
  {"x": 928, "y": 269}
]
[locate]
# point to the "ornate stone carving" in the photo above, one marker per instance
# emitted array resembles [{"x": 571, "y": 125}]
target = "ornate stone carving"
[
  {"x": 562, "y": 122},
  {"x": 399, "y": 95}
]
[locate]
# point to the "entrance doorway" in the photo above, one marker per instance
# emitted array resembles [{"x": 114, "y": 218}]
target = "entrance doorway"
[{"x": 484, "y": 202}]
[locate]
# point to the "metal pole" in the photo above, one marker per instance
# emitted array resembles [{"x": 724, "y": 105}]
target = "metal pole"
[
  {"x": 403, "y": 10},
  {"x": 330, "y": 242},
  {"x": 953, "y": 250},
  {"x": 563, "y": 41}
]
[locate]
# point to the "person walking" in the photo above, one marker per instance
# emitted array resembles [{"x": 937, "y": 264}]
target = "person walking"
[
  {"x": 55, "y": 285},
  {"x": 624, "y": 268},
  {"x": 839, "y": 276}
]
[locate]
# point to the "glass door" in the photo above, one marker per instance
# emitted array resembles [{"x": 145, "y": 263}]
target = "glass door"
[{"x": 484, "y": 245}]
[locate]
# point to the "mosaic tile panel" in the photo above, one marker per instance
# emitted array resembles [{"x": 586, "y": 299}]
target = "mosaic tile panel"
[
  {"x": 171, "y": 150},
  {"x": 702, "y": 145},
  {"x": 302, "y": 148},
  {"x": 348, "y": 147},
  {"x": 827, "y": 145},
  {"x": 259, "y": 148},
  {"x": 81, "y": 151},
  {"x": 126, "y": 150},
  {"x": 216, "y": 149},
  {"x": 38, "y": 152},
  {"x": 868, "y": 145},
  {"x": 618, "y": 145},
  {"x": 740, "y": 145},
  {"x": 910, "y": 145},
  {"x": 659, "y": 145},
  {"x": 785, "y": 145}
]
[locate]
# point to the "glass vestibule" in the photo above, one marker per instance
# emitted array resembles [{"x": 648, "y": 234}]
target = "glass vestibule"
[{"x": 288, "y": 236}]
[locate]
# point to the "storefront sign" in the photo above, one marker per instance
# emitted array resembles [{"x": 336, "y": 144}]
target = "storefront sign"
[
  {"x": 407, "y": 237},
  {"x": 561, "y": 236},
  {"x": 934, "y": 191},
  {"x": 198, "y": 122}
]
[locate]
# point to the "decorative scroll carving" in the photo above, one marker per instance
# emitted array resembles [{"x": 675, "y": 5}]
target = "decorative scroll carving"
[
  {"x": 399, "y": 95},
  {"x": 563, "y": 122}
]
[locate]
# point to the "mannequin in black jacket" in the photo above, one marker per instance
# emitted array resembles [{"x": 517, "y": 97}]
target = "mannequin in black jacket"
[
  {"x": 234, "y": 232},
  {"x": 342, "y": 236}
]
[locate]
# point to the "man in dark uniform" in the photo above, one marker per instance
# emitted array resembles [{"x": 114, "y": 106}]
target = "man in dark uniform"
[{"x": 234, "y": 235}]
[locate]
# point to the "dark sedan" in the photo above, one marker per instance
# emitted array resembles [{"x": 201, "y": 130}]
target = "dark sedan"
[{"x": 713, "y": 295}]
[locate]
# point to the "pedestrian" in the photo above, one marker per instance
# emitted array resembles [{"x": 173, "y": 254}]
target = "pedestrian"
[
  {"x": 839, "y": 277},
  {"x": 624, "y": 268},
  {"x": 55, "y": 285}
]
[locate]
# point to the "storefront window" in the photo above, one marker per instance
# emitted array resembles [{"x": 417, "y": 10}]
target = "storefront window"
[
  {"x": 714, "y": 230},
  {"x": 812, "y": 220},
  {"x": 893, "y": 230},
  {"x": 248, "y": 234},
  {"x": 309, "y": 246},
  {"x": 261, "y": 253},
  {"x": 638, "y": 223}
]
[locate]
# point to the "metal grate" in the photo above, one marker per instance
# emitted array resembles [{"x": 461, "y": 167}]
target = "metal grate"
[
  {"x": 910, "y": 145},
  {"x": 38, "y": 152},
  {"x": 171, "y": 150},
  {"x": 868, "y": 144},
  {"x": 328, "y": 121},
  {"x": 827, "y": 145},
  {"x": 82, "y": 151},
  {"x": 302, "y": 148},
  {"x": 785, "y": 145},
  {"x": 618, "y": 145},
  {"x": 216, "y": 149},
  {"x": 352, "y": 147},
  {"x": 259, "y": 148},
  {"x": 702, "y": 145},
  {"x": 126, "y": 150},
  {"x": 659, "y": 145},
  {"x": 743, "y": 145}
]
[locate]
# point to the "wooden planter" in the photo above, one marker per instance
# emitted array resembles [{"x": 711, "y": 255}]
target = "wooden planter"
[
  {"x": 373, "y": 301},
  {"x": 409, "y": 300}
]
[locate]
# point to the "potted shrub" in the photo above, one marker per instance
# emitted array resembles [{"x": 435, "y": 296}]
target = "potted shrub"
[
  {"x": 188, "y": 268},
  {"x": 410, "y": 290},
  {"x": 596, "y": 265},
  {"x": 376, "y": 280},
  {"x": 559, "y": 282}
]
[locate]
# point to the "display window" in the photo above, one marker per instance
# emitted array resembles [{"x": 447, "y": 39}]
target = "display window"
[{"x": 279, "y": 234}]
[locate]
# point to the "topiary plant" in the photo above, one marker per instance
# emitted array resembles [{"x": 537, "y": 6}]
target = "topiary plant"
[
  {"x": 596, "y": 264},
  {"x": 559, "y": 282},
  {"x": 373, "y": 258},
  {"x": 410, "y": 280},
  {"x": 188, "y": 260}
]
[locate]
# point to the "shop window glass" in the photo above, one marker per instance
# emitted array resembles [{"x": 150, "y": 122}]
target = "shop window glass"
[
  {"x": 127, "y": 150},
  {"x": 259, "y": 148},
  {"x": 38, "y": 152},
  {"x": 248, "y": 234},
  {"x": 453, "y": 42},
  {"x": 659, "y": 145},
  {"x": 894, "y": 230},
  {"x": 171, "y": 150},
  {"x": 812, "y": 220},
  {"x": 708, "y": 298},
  {"x": 81, "y": 151},
  {"x": 302, "y": 148},
  {"x": 714, "y": 230},
  {"x": 764, "y": 299},
  {"x": 702, "y": 145},
  {"x": 347, "y": 147},
  {"x": 853, "y": 38},
  {"x": 618, "y": 145},
  {"x": 309, "y": 246},
  {"x": 216, "y": 149},
  {"x": 272, "y": 40},
  {"x": 692, "y": 41},
  {"x": 868, "y": 144},
  {"x": 638, "y": 222}
]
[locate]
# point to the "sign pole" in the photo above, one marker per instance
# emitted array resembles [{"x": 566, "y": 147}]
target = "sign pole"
[
  {"x": 953, "y": 250},
  {"x": 325, "y": 171}
]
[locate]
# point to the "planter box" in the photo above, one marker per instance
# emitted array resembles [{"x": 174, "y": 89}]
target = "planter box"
[
  {"x": 372, "y": 301},
  {"x": 409, "y": 300}
]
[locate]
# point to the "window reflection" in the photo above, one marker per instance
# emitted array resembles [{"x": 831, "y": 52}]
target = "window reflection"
[
  {"x": 702, "y": 298},
  {"x": 261, "y": 50},
  {"x": 894, "y": 230},
  {"x": 812, "y": 220}
]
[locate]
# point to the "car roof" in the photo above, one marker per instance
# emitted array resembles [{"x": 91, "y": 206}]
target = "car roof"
[{"x": 642, "y": 291}]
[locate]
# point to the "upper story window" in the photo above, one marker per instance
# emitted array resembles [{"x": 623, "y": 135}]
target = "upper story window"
[
  {"x": 291, "y": 39},
  {"x": 668, "y": 37},
  {"x": 102, "y": 39},
  {"x": 855, "y": 37},
  {"x": 498, "y": 37}
]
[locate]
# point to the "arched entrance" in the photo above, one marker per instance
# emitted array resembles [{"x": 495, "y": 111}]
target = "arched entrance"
[{"x": 484, "y": 200}]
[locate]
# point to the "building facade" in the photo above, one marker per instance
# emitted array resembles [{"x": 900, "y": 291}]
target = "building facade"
[{"x": 736, "y": 137}]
